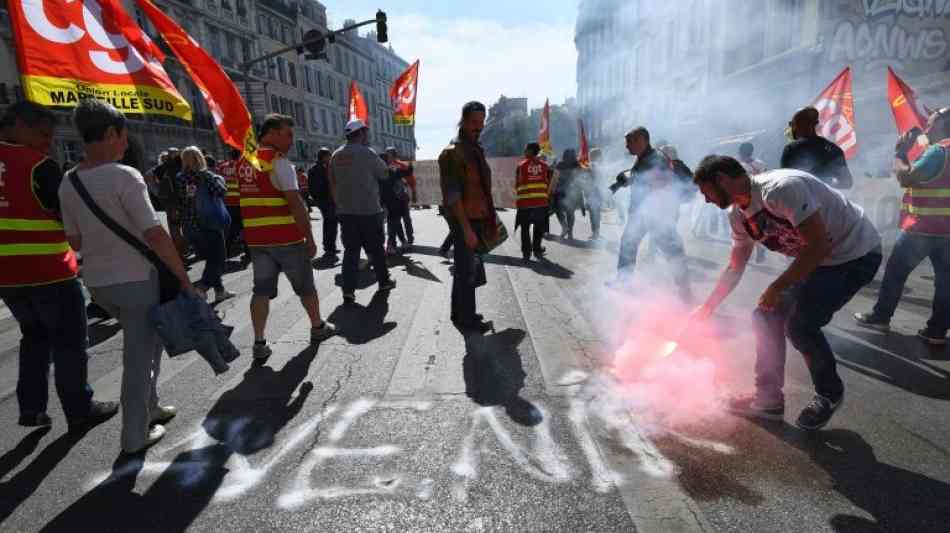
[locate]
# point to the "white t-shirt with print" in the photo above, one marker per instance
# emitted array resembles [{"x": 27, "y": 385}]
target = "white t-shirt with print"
[{"x": 782, "y": 199}]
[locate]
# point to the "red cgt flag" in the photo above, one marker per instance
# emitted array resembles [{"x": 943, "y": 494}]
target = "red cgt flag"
[
  {"x": 403, "y": 96},
  {"x": 909, "y": 112},
  {"x": 68, "y": 51},
  {"x": 358, "y": 109},
  {"x": 583, "y": 156},
  {"x": 835, "y": 107},
  {"x": 222, "y": 97},
  {"x": 544, "y": 134}
]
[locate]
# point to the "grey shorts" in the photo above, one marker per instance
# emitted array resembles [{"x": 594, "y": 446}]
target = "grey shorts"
[{"x": 269, "y": 261}]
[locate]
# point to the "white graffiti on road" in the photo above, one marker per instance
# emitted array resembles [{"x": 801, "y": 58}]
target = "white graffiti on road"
[{"x": 533, "y": 451}]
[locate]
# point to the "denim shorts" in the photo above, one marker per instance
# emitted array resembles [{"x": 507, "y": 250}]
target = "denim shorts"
[{"x": 269, "y": 261}]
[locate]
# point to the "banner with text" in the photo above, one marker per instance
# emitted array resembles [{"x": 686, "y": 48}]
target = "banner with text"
[{"x": 68, "y": 51}]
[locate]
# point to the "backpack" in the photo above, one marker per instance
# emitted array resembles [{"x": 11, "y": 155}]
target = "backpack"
[{"x": 211, "y": 211}]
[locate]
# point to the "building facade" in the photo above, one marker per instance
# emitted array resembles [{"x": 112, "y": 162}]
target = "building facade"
[
  {"x": 710, "y": 74},
  {"x": 315, "y": 93}
]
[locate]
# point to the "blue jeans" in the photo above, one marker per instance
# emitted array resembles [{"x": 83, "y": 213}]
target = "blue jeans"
[
  {"x": 210, "y": 246},
  {"x": 362, "y": 232},
  {"x": 910, "y": 250},
  {"x": 804, "y": 310},
  {"x": 52, "y": 320}
]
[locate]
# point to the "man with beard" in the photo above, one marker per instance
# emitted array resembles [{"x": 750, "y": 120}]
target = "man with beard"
[
  {"x": 836, "y": 252},
  {"x": 465, "y": 178}
]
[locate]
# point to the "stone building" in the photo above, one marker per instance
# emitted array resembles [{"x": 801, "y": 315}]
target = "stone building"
[
  {"x": 709, "y": 74},
  {"x": 315, "y": 93}
]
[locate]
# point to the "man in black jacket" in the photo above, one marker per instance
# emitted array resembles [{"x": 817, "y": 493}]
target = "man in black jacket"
[
  {"x": 320, "y": 192},
  {"x": 653, "y": 201}
]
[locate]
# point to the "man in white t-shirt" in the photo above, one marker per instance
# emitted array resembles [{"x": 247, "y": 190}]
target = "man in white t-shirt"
[{"x": 836, "y": 251}]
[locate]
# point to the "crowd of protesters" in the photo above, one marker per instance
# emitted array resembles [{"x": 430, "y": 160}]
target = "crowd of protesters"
[{"x": 105, "y": 211}]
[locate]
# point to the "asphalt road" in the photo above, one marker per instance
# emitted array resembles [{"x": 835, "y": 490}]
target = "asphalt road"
[{"x": 402, "y": 424}]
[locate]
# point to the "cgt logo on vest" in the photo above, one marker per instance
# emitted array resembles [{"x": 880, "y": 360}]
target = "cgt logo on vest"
[{"x": 110, "y": 43}]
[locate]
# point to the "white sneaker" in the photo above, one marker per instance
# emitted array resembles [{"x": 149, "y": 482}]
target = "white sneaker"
[
  {"x": 222, "y": 295},
  {"x": 155, "y": 434},
  {"x": 163, "y": 413}
]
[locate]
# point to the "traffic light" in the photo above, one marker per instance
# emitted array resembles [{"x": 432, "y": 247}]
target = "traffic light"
[
  {"x": 381, "y": 35},
  {"x": 315, "y": 45}
]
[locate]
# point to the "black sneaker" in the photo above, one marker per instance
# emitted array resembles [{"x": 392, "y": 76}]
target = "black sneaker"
[
  {"x": 32, "y": 420},
  {"x": 933, "y": 337},
  {"x": 349, "y": 297},
  {"x": 526, "y": 257},
  {"x": 387, "y": 285},
  {"x": 324, "y": 332},
  {"x": 99, "y": 412},
  {"x": 872, "y": 321},
  {"x": 540, "y": 252},
  {"x": 818, "y": 413},
  {"x": 750, "y": 406}
]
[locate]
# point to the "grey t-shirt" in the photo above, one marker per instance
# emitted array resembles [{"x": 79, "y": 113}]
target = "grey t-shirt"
[
  {"x": 121, "y": 192},
  {"x": 357, "y": 171},
  {"x": 783, "y": 198}
]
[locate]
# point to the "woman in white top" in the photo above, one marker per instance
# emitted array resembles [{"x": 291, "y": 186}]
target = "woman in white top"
[{"x": 120, "y": 278}]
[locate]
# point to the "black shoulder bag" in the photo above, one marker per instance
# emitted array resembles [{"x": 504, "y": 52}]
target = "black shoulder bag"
[{"x": 168, "y": 283}]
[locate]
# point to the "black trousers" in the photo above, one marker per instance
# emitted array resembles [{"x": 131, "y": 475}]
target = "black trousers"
[
  {"x": 330, "y": 226},
  {"x": 362, "y": 233},
  {"x": 464, "y": 280},
  {"x": 536, "y": 217}
]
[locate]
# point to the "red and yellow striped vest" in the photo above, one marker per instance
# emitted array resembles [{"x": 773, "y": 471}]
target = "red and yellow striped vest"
[
  {"x": 926, "y": 206},
  {"x": 33, "y": 247},
  {"x": 532, "y": 184},
  {"x": 266, "y": 214}
]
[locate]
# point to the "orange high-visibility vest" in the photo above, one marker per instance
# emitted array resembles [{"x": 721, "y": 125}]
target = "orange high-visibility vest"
[
  {"x": 532, "y": 183},
  {"x": 228, "y": 170},
  {"x": 926, "y": 206},
  {"x": 33, "y": 247},
  {"x": 267, "y": 217}
]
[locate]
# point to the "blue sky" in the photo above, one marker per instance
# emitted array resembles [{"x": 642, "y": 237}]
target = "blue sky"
[{"x": 476, "y": 51}]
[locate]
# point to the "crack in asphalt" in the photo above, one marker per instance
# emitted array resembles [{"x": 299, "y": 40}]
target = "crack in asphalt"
[{"x": 340, "y": 382}]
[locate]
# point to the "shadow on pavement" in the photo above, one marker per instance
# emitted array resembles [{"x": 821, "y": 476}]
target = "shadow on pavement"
[
  {"x": 897, "y": 360},
  {"x": 360, "y": 324},
  {"x": 898, "y": 499},
  {"x": 413, "y": 268},
  {"x": 21, "y": 486},
  {"x": 494, "y": 374},
  {"x": 243, "y": 421},
  {"x": 544, "y": 267},
  {"x": 838, "y": 459}
]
